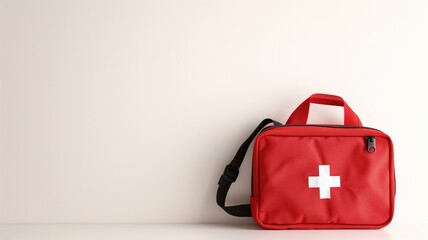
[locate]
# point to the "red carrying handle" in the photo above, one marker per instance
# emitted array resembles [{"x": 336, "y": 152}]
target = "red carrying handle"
[{"x": 300, "y": 115}]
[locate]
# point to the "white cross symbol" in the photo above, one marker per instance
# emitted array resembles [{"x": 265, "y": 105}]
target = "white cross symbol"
[{"x": 324, "y": 181}]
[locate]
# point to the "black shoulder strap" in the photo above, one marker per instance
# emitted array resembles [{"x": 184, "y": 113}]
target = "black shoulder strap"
[{"x": 231, "y": 173}]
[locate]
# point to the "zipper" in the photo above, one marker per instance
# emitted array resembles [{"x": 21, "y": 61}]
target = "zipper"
[
  {"x": 371, "y": 144},
  {"x": 370, "y": 140},
  {"x": 318, "y": 125}
]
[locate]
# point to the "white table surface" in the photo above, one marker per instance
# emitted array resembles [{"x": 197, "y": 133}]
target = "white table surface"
[{"x": 196, "y": 231}]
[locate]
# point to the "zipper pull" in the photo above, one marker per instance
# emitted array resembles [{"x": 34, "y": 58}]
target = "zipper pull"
[{"x": 371, "y": 144}]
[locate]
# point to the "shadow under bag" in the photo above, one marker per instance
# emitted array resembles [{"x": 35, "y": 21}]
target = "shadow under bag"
[{"x": 308, "y": 176}]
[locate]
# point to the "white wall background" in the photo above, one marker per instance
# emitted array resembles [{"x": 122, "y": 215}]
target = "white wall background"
[{"x": 127, "y": 111}]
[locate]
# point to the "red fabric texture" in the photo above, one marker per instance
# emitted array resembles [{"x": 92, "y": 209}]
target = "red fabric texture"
[{"x": 285, "y": 157}]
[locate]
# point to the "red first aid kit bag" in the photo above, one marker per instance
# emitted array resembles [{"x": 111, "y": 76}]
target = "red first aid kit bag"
[{"x": 308, "y": 176}]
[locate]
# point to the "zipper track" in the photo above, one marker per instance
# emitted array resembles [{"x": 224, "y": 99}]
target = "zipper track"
[{"x": 318, "y": 125}]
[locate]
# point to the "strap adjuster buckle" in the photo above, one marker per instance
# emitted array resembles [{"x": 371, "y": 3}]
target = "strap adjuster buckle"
[{"x": 230, "y": 174}]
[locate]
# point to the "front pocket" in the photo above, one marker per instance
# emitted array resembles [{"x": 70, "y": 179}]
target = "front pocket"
[{"x": 323, "y": 179}]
